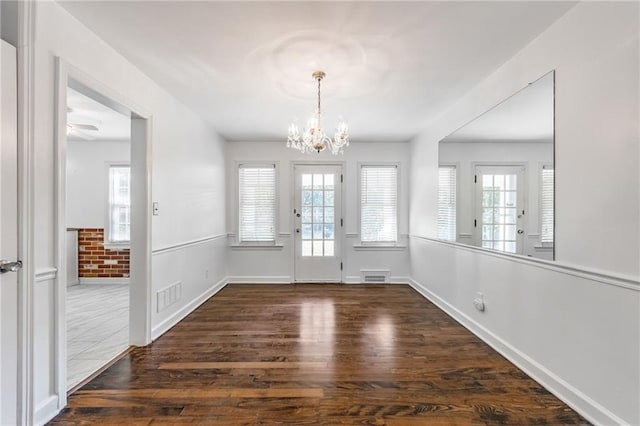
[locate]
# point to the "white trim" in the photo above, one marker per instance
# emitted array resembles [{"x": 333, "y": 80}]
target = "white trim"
[
  {"x": 26, "y": 214},
  {"x": 180, "y": 246},
  {"x": 354, "y": 279},
  {"x": 179, "y": 315},
  {"x": 248, "y": 246},
  {"x": 379, "y": 247},
  {"x": 565, "y": 268},
  {"x": 46, "y": 410},
  {"x": 101, "y": 281},
  {"x": 47, "y": 273},
  {"x": 585, "y": 406},
  {"x": 276, "y": 279},
  {"x": 140, "y": 294}
]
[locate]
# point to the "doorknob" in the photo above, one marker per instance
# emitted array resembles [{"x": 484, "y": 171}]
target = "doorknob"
[
  {"x": 298, "y": 230},
  {"x": 298, "y": 214},
  {"x": 520, "y": 231},
  {"x": 6, "y": 266}
]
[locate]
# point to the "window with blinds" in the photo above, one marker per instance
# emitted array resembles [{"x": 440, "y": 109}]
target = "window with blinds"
[
  {"x": 257, "y": 203},
  {"x": 546, "y": 203},
  {"x": 447, "y": 203},
  {"x": 379, "y": 204},
  {"x": 119, "y": 204}
]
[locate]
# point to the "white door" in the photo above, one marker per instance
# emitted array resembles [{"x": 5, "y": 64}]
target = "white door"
[
  {"x": 500, "y": 210},
  {"x": 8, "y": 234},
  {"x": 318, "y": 223}
]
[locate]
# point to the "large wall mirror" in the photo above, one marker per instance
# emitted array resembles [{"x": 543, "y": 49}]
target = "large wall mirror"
[{"x": 496, "y": 176}]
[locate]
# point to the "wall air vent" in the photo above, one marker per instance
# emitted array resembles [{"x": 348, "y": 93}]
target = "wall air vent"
[{"x": 375, "y": 276}]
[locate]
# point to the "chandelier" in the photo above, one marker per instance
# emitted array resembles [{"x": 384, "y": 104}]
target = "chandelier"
[{"x": 313, "y": 138}]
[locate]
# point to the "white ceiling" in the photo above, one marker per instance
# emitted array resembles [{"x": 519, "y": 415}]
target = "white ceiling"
[
  {"x": 246, "y": 66},
  {"x": 112, "y": 125},
  {"x": 527, "y": 116}
]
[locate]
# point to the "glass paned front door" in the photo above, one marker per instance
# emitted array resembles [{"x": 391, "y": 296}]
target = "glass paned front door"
[
  {"x": 499, "y": 215},
  {"x": 317, "y": 223}
]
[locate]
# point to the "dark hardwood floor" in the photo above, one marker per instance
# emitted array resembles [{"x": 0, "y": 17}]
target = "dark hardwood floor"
[{"x": 316, "y": 354}]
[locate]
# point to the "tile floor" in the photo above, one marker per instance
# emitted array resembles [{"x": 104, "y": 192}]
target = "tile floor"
[{"x": 97, "y": 327}]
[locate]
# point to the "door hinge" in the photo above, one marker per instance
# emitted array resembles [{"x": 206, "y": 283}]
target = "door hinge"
[
  {"x": 475, "y": 223},
  {"x": 475, "y": 178},
  {"x": 341, "y": 178},
  {"x": 341, "y": 266},
  {"x": 341, "y": 222}
]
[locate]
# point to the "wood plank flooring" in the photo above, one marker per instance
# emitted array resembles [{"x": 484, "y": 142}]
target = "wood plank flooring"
[{"x": 316, "y": 355}]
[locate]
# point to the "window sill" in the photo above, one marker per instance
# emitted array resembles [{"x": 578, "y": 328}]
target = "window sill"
[
  {"x": 248, "y": 246},
  {"x": 117, "y": 246},
  {"x": 379, "y": 247}
]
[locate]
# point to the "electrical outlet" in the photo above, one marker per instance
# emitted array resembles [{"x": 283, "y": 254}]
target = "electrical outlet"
[{"x": 478, "y": 302}]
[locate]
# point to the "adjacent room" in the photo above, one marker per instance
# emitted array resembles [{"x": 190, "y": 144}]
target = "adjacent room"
[
  {"x": 98, "y": 205},
  {"x": 318, "y": 212}
]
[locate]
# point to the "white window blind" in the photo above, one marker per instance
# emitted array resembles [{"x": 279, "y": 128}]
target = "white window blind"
[
  {"x": 257, "y": 196},
  {"x": 447, "y": 203},
  {"x": 119, "y": 204},
  {"x": 378, "y": 203},
  {"x": 546, "y": 201}
]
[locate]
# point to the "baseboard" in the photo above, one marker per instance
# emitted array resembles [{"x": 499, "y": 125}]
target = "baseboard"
[
  {"x": 92, "y": 281},
  {"x": 276, "y": 279},
  {"x": 585, "y": 406},
  {"x": 46, "y": 410},
  {"x": 356, "y": 279},
  {"x": 179, "y": 315}
]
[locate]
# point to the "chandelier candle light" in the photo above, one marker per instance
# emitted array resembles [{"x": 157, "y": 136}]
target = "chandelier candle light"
[{"x": 314, "y": 138}]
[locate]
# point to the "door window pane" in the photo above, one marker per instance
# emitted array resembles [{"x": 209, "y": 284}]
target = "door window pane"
[
  {"x": 499, "y": 211},
  {"x": 318, "y": 220}
]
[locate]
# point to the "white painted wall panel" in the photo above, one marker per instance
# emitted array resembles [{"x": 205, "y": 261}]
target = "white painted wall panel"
[
  {"x": 584, "y": 332},
  {"x": 87, "y": 186}
]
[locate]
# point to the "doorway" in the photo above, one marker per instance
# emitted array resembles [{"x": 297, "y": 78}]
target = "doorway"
[
  {"x": 500, "y": 208},
  {"x": 318, "y": 223},
  {"x": 98, "y": 229},
  {"x": 127, "y": 210}
]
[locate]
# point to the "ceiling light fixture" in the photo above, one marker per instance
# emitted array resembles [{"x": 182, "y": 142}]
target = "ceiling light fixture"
[{"x": 314, "y": 138}]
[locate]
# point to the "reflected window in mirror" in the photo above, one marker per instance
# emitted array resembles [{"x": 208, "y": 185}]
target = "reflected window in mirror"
[
  {"x": 500, "y": 193},
  {"x": 447, "y": 202}
]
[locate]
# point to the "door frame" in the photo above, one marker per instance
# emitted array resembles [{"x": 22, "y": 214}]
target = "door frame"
[
  {"x": 477, "y": 232},
  {"x": 292, "y": 225},
  {"x": 140, "y": 145},
  {"x": 26, "y": 12}
]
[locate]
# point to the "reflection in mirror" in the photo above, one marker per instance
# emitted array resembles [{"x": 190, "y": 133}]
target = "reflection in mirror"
[{"x": 496, "y": 176}]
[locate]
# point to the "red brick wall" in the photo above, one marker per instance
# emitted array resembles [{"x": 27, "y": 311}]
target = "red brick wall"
[{"x": 96, "y": 262}]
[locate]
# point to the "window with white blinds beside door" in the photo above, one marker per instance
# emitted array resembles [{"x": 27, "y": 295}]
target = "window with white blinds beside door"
[
  {"x": 546, "y": 203},
  {"x": 447, "y": 203},
  {"x": 257, "y": 203},
  {"x": 379, "y": 203}
]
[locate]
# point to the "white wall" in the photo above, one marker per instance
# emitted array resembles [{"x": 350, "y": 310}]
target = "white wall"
[
  {"x": 87, "y": 185},
  {"x": 576, "y": 331},
  {"x": 275, "y": 265},
  {"x": 530, "y": 154},
  {"x": 188, "y": 181}
]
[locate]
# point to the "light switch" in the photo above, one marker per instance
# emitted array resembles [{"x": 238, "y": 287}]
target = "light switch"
[{"x": 156, "y": 209}]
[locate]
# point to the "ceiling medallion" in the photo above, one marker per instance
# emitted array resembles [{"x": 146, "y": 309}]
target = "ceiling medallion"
[{"x": 313, "y": 138}]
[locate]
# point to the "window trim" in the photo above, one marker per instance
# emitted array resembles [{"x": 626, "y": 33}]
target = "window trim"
[
  {"x": 108, "y": 244},
  {"x": 276, "y": 243},
  {"x": 378, "y": 244}
]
